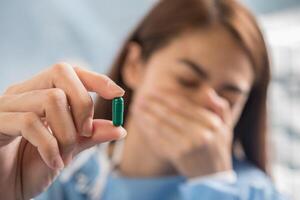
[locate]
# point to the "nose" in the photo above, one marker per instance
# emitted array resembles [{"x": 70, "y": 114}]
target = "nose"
[{"x": 210, "y": 100}]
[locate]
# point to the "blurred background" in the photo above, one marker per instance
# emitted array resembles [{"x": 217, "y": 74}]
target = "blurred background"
[{"x": 35, "y": 34}]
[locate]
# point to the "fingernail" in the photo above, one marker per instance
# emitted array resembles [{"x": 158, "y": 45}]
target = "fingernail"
[
  {"x": 87, "y": 129},
  {"x": 117, "y": 90},
  {"x": 57, "y": 163},
  {"x": 123, "y": 133}
]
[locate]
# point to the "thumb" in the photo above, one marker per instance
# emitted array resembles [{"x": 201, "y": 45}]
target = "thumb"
[{"x": 103, "y": 131}]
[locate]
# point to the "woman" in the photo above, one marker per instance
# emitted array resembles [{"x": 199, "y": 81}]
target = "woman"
[{"x": 195, "y": 75}]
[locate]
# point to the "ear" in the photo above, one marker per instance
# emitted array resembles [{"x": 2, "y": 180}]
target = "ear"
[{"x": 133, "y": 69}]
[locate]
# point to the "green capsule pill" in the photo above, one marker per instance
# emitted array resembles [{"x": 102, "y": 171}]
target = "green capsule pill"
[{"x": 117, "y": 111}]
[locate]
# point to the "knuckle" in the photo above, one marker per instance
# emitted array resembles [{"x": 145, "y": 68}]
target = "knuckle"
[
  {"x": 3, "y": 99},
  {"x": 52, "y": 142},
  {"x": 69, "y": 142},
  {"x": 87, "y": 103},
  {"x": 61, "y": 68},
  {"x": 30, "y": 120},
  {"x": 107, "y": 81},
  {"x": 56, "y": 96},
  {"x": 11, "y": 89},
  {"x": 77, "y": 68},
  {"x": 215, "y": 123},
  {"x": 50, "y": 146},
  {"x": 206, "y": 140}
]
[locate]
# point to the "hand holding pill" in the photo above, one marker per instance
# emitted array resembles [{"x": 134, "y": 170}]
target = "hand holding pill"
[{"x": 45, "y": 121}]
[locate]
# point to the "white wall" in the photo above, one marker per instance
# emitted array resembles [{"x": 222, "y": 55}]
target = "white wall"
[
  {"x": 282, "y": 32},
  {"x": 35, "y": 34}
]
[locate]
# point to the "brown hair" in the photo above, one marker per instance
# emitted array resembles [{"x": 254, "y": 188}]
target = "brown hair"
[{"x": 169, "y": 18}]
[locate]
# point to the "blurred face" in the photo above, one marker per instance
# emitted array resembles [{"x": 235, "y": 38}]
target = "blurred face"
[{"x": 197, "y": 66}]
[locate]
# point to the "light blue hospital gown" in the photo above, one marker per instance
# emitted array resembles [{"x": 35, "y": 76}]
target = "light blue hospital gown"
[{"x": 82, "y": 182}]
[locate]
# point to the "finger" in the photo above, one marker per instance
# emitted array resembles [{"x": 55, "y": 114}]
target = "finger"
[
  {"x": 192, "y": 109},
  {"x": 220, "y": 106},
  {"x": 164, "y": 143},
  {"x": 183, "y": 139},
  {"x": 226, "y": 112},
  {"x": 158, "y": 141},
  {"x": 201, "y": 133},
  {"x": 198, "y": 133},
  {"x": 182, "y": 113},
  {"x": 30, "y": 127},
  {"x": 104, "y": 131},
  {"x": 52, "y": 105},
  {"x": 163, "y": 112},
  {"x": 160, "y": 122},
  {"x": 63, "y": 76},
  {"x": 92, "y": 82}
]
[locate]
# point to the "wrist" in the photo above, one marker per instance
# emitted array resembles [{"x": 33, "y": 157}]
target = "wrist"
[{"x": 207, "y": 167}]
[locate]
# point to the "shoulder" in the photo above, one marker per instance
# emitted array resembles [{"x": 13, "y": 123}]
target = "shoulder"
[
  {"x": 248, "y": 173},
  {"x": 252, "y": 179}
]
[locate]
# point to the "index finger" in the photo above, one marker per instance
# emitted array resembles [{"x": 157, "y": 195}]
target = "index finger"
[
  {"x": 185, "y": 104},
  {"x": 76, "y": 83},
  {"x": 93, "y": 82},
  {"x": 99, "y": 83}
]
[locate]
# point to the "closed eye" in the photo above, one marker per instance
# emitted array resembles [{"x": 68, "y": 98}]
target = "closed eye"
[
  {"x": 231, "y": 88},
  {"x": 193, "y": 84}
]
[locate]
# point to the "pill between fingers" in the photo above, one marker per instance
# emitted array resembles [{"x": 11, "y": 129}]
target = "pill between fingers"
[{"x": 118, "y": 111}]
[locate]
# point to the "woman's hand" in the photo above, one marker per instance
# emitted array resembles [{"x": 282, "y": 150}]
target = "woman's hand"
[
  {"x": 47, "y": 120},
  {"x": 195, "y": 139}
]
